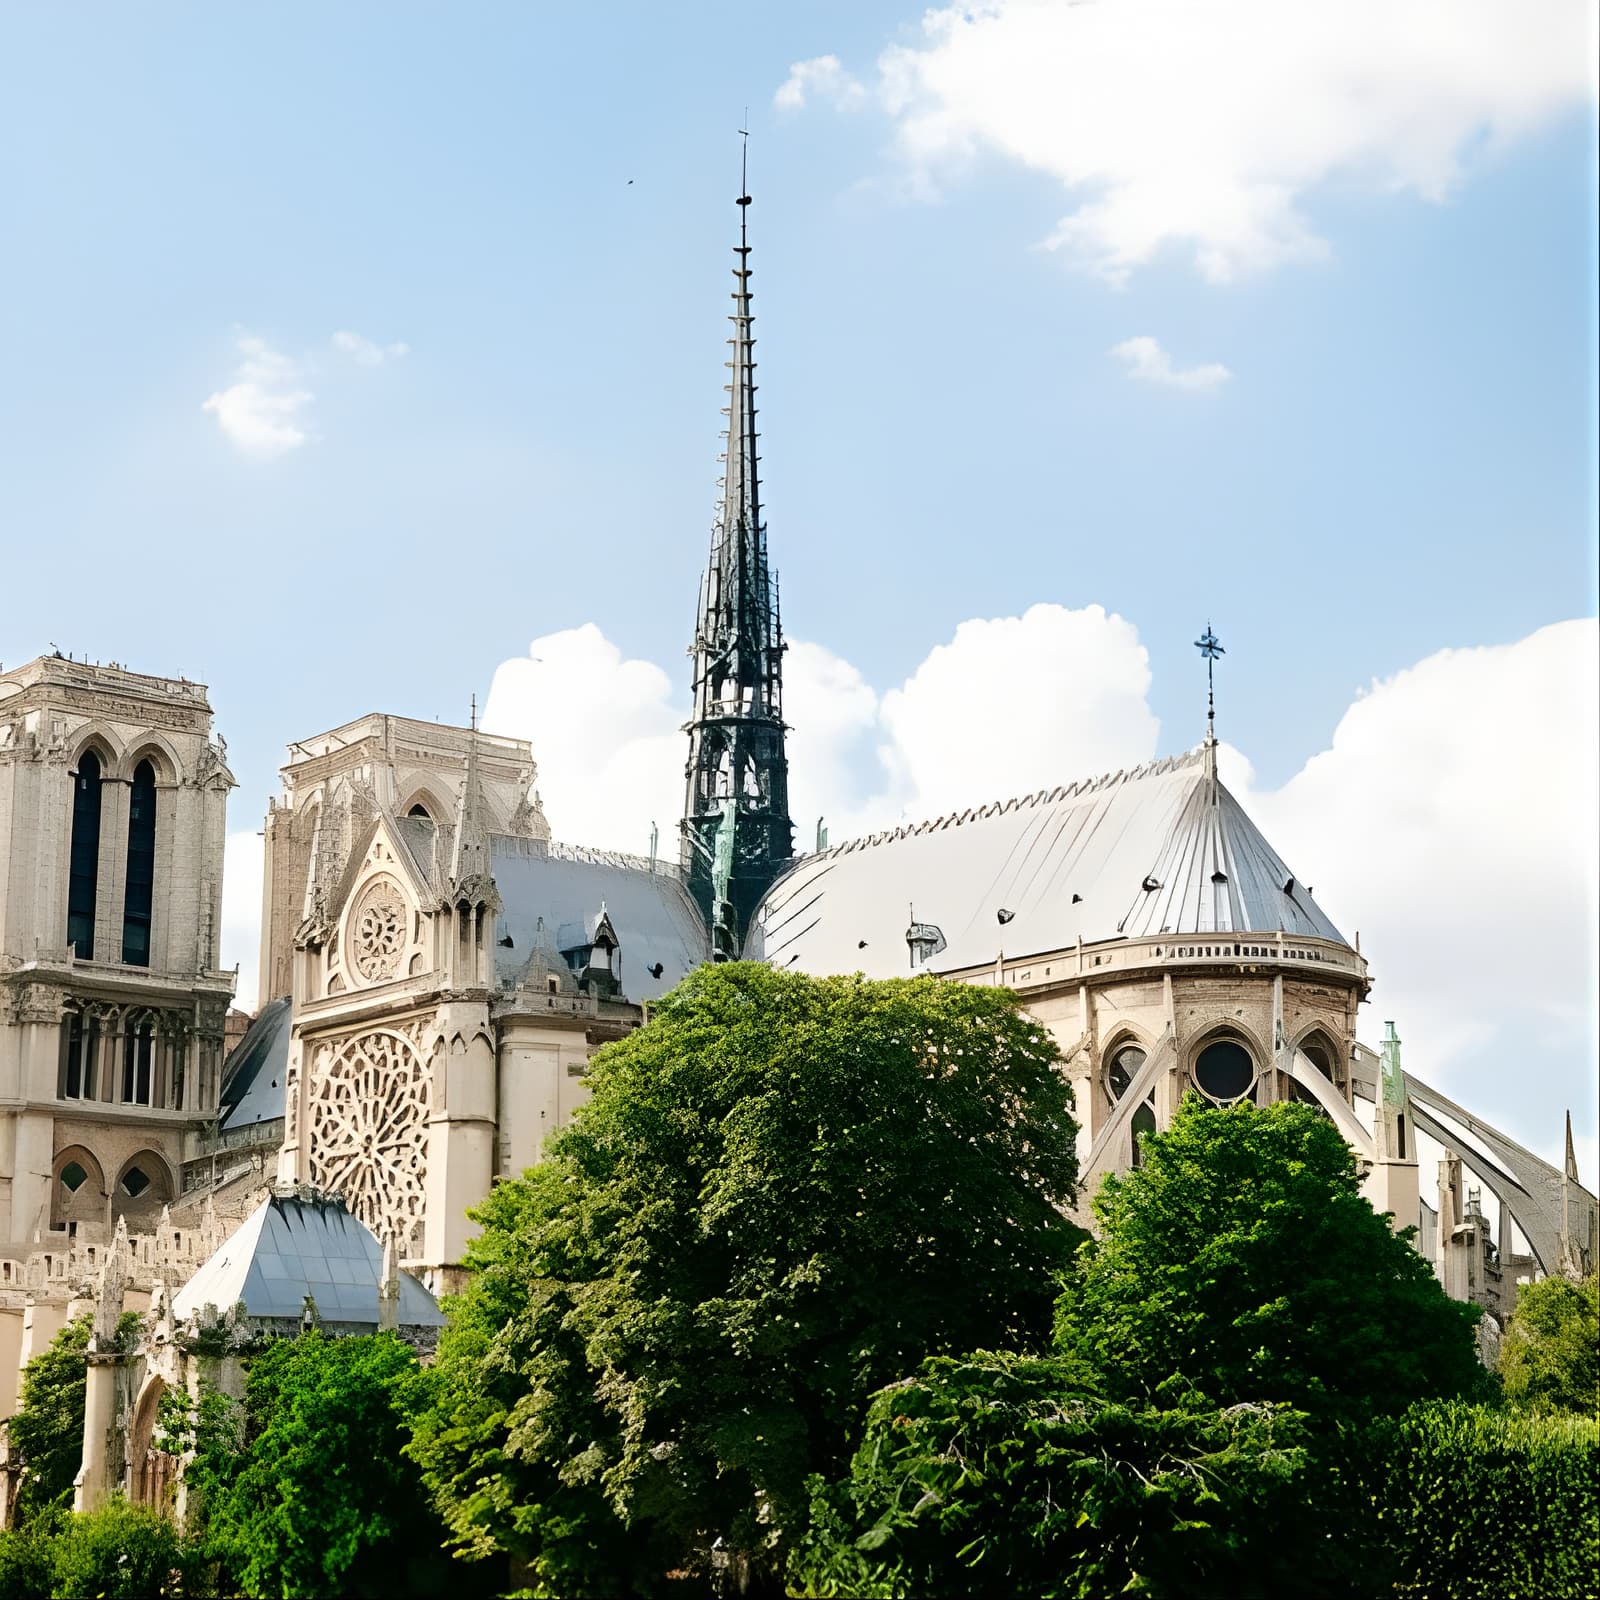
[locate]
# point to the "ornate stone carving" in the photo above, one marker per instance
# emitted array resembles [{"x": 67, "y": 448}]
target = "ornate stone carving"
[
  {"x": 378, "y": 930},
  {"x": 369, "y": 1104}
]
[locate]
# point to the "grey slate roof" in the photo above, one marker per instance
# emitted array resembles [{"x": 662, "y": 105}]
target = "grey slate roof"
[
  {"x": 289, "y": 1247},
  {"x": 253, "y": 1082},
  {"x": 654, "y": 917},
  {"x": 1162, "y": 848}
]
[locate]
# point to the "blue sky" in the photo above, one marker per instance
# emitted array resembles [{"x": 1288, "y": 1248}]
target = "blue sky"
[{"x": 1399, "y": 460}]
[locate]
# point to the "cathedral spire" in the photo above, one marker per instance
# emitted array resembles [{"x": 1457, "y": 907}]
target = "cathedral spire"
[
  {"x": 469, "y": 855},
  {"x": 736, "y": 829}
]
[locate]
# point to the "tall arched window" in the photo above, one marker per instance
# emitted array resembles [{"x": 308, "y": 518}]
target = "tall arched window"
[
  {"x": 141, "y": 867},
  {"x": 85, "y": 859}
]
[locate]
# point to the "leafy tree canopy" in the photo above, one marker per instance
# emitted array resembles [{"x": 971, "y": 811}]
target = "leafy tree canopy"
[
  {"x": 1241, "y": 1259},
  {"x": 783, "y": 1193},
  {"x": 46, "y": 1434},
  {"x": 1550, "y": 1356},
  {"x": 1005, "y": 1475},
  {"x": 303, "y": 1490}
]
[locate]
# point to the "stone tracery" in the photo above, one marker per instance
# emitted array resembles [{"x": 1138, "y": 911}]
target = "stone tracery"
[
  {"x": 379, "y": 930},
  {"x": 369, "y": 1103}
]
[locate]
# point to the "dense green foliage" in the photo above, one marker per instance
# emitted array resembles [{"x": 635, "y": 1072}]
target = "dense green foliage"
[
  {"x": 119, "y": 1552},
  {"x": 1002, "y": 1475},
  {"x": 46, "y": 1434},
  {"x": 303, "y": 1489},
  {"x": 1240, "y": 1320},
  {"x": 1242, "y": 1259},
  {"x": 1482, "y": 1504},
  {"x": 783, "y": 1194},
  {"x": 1550, "y": 1356}
]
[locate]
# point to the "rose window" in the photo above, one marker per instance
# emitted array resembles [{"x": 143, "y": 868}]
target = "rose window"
[
  {"x": 380, "y": 931},
  {"x": 369, "y": 1131}
]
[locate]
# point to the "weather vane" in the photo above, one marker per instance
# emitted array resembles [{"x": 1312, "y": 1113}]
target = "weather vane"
[{"x": 1210, "y": 647}]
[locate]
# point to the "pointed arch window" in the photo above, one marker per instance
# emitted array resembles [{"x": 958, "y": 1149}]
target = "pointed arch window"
[
  {"x": 83, "y": 881},
  {"x": 141, "y": 867}
]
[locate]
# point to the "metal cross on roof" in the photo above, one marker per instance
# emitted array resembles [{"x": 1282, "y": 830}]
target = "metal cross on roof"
[{"x": 1210, "y": 647}]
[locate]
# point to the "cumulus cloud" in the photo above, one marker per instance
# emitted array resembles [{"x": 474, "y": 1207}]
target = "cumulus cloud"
[
  {"x": 821, "y": 78},
  {"x": 1205, "y": 128},
  {"x": 1452, "y": 821},
  {"x": 605, "y": 732},
  {"x": 1147, "y": 362},
  {"x": 241, "y": 914},
  {"x": 260, "y": 411},
  {"x": 367, "y": 352}
]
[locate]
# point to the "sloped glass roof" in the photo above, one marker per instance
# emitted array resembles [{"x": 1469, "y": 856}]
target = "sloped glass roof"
[{"x": 291, "y": 1247}]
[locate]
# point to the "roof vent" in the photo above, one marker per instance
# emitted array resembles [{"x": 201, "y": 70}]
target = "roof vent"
[
  {"x": 861, "y": 944},
  {"x": 655, "y": 969},
  {"x": 1151, "y": 882},
  {"x": 1002, "y": 916},
  {"x": 1219, "y": 876},
  {"x": 1077, "y": 899},
  {"x": 1288, "y": 885}
]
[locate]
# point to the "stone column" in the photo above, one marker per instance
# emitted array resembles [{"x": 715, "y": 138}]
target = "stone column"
[{"x": 92, "y": 1487}]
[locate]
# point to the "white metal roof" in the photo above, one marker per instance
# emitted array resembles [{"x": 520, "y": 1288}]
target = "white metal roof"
[{"x": 1162, "y": 848}]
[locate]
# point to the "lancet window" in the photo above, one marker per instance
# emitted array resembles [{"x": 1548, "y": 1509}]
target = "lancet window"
[
  {"x": 141, "y": 867},
  {"x": 83, "y": 881}
]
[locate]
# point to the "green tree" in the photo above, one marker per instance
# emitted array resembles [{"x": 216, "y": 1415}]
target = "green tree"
[
  {"x": 1241, "y": 1259},
  {"x": 783, "y": 1193},
  {"x": 1550, "y": 1356},
  {"x": 1006, "y": 1475},
  {"x": 120, "y": 1552},
  {"x": 303, "y": 1489},
  {"x": 46, "y": 1434}
]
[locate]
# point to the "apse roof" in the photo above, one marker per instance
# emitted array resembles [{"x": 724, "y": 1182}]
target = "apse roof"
[
  {"x": 290, "y": 1247},
  {"x": 253, "y": 1075},
  {"x": 1162, "y": 848},
  {"x": 655, "y": 920}
]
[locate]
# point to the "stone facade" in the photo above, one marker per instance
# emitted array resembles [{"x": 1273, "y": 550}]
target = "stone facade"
[
  {"x": 335, "y": 783},
  {"x": 113, "y": 792}
]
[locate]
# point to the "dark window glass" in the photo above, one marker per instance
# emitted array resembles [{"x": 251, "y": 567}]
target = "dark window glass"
[
  {"x": 1224, "y": 1070},
  {"x": 1124, "y": 1069},
  {"x": 141, "y": 867},
  {"x": 134, "y": 1183},
  {"x": 72, "y": 1081},
  {"x": 85, "y": 862},
  {"x": 73, "y": 1177},
  {"x": 419, "y": 811},
  {"x": 137, "y": 1047}
]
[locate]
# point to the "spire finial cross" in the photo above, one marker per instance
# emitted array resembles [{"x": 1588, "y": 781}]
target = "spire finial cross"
[{"x": 1210, "y": 647}]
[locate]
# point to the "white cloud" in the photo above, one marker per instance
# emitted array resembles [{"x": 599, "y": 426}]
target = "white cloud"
[
  {"x": 1205, "y": 127},
  {"x": 241, "y": 914},
  {"x": 1452, "y": 821},
  {"x": 259, "y": 411},
  {"x": 821, "y": 78},
  {"x": 605, "y": 732},
  {"x": 366, "y": 352},
  {"x": 1147, "y": 362}
]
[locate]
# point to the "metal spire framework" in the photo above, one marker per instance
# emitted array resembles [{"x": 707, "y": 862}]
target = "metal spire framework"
[{"x": 737, "y": 835}]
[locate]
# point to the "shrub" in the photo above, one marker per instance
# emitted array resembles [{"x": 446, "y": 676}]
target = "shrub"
[
  {"x": 1001, "y": 1474},
  {"x": 25, "y": 1572},
  {"x": 1470, "y": 1501},
  {"x": 120, "y": 1552}
]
